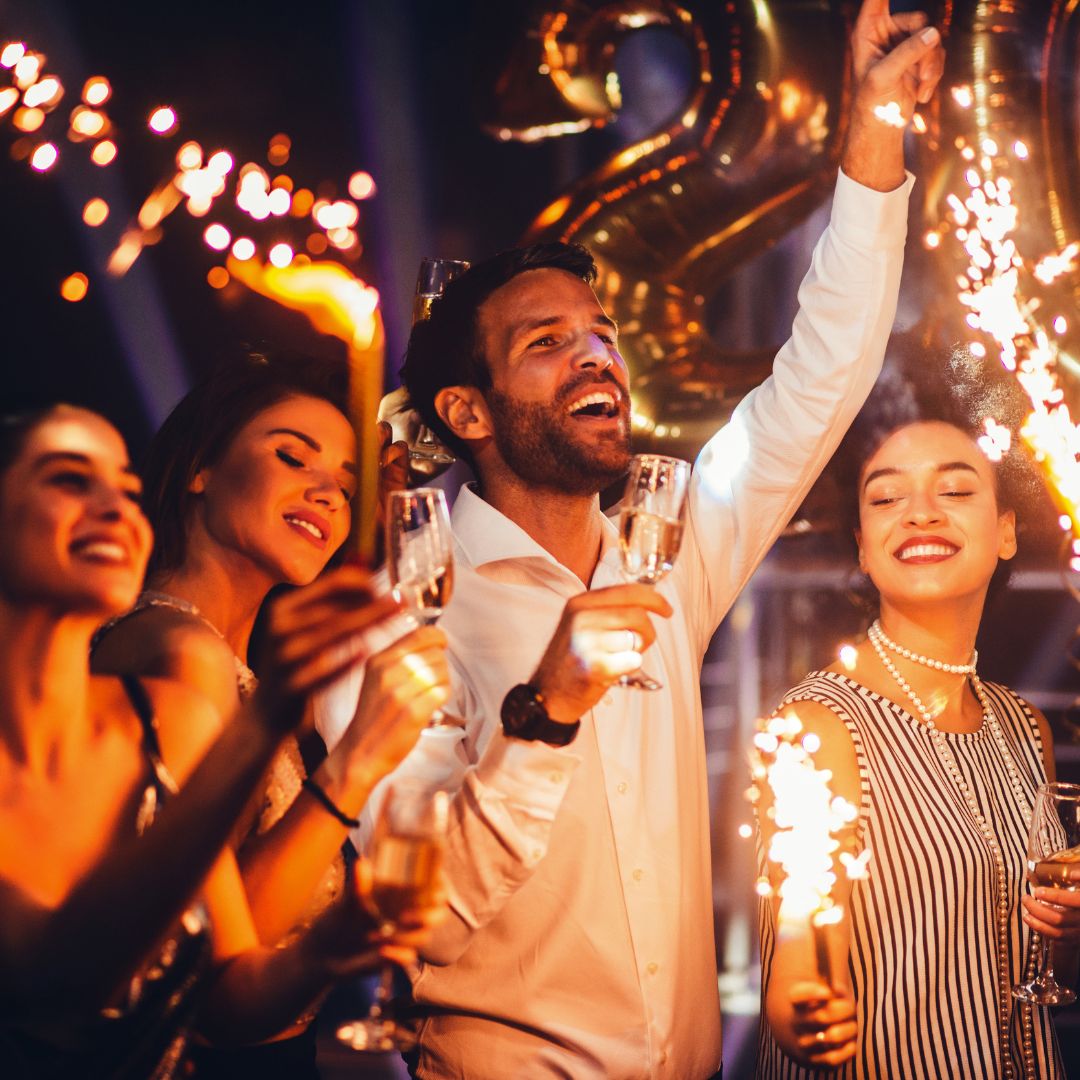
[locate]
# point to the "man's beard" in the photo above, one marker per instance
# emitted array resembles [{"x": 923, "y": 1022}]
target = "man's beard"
[{"x": 544, "y": 453}]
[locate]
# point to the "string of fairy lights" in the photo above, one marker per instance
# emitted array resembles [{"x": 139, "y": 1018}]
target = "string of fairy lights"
[{"x": 250, "y": 211}]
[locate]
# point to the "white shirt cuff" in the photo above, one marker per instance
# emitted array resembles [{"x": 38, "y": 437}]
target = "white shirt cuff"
[
  {"x": 529, "y": 774},
  {"x": 876, "y": 220}
]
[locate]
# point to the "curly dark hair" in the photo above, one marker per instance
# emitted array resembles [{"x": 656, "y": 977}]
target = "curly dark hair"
[
  {"x": 963, "y": 391},
  {"x": 443, "y": 349},
  {"x": 199, "y": 431}
]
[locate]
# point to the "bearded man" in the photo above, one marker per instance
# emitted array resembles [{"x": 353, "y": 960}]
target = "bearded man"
[{"x": 580, "y": 936}]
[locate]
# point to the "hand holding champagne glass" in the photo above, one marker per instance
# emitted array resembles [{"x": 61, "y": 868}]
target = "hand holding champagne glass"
[
  {"x": 651, "y": 527},
  {"x": 420, "y": 556},
  {"x": 405, "y": 877},
  {"x": 1053, "y": 858}
]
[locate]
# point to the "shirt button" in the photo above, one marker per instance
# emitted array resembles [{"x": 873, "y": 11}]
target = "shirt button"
[
  {"x": 623, "y": 787},
  {"x": 556, "y": 777},
  {"x": 638, "y": 875},
  {"x": 537, "y": 854},
  {"x": 653, "y": 968},
  {"x": 608, "y": 699}
]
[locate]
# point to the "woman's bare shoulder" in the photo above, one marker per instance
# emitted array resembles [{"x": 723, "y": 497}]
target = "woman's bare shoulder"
[{"x": 167, "y": 643}]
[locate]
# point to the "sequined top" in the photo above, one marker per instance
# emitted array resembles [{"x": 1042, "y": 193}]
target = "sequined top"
[
  {"x": 285, "y": 776},
  {"x": 143, "y": 1035}
]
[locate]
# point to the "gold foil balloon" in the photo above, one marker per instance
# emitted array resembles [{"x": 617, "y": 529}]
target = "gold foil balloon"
[{"x": 751, "y": 152}]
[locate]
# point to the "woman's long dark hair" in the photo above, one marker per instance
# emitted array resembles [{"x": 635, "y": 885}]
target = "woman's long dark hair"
[{"x": 199, "y": 431}]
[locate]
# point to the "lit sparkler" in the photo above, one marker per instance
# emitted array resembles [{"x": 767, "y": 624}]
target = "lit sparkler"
[
  {"x": 807, "y": 817},
  {"x": 999, "y": 289}
]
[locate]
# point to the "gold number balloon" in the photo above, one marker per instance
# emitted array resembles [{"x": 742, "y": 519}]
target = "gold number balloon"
[{"x": 752, "y": 151}]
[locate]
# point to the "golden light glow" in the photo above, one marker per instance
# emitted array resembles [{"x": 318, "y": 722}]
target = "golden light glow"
[
  {"x": 280, "y": 255},
  {"x": 243, "y": 248},
  {"x": 12, "y": 53},
  {"x": 994, "y": 291},
  {"x": 361, "y": 185},
  {"x": 278, "y": 201},
  {"x": 8, "y": 96},
  {"x": 87, "y": 123},
  {"x": 891, "y": 114},
  {"x": 104, "y": 153},
  {"x": 278, "y": 154},
  {"x": 44, "y": 157},
  {"x": 963, "y": 96},
  {"x": 97, "y": 90},
  {"x": 27, "y": 70},
  {"x": 217, "y": 237},
  {"x": 848, "y": 656},
  {"x": 95, "y": 212},
  {"x": 189, "y": 156},
  {"x": 317, "y": 243},
  {"x": 217, "y": 277},
  {"x": 162, "y": 120},
  {"x": 45, "y": 92},
  {"x": 28, "y": 119},
  {"x": 302, "y": 202},
  {"x": 73, "y": 287},
  {"x": 807, "y": 817}
]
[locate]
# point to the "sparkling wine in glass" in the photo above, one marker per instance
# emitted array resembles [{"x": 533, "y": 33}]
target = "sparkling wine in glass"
[
  {"x": 406, "y": 875},
  {"x": 420, "y": 556},
  {"x": 1053, "y": 856},
  {"x": 651, "y": 528}
]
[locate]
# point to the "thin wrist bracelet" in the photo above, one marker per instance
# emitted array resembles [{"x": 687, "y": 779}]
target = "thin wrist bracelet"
[{"x": 329, "y": 805}]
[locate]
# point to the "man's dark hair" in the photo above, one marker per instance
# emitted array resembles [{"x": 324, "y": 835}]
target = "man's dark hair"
[
  {"x": 198, "y": 432},
  {"x": 963, "y": 391},
  {"x": 444, "y": 349}
]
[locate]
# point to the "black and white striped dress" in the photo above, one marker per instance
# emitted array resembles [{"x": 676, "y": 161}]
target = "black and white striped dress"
[{"x": 923, "y": 958}]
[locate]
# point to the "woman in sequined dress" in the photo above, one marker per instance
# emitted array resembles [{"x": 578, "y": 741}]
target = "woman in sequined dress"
[
  {"x": 942, "y": 768},
  {"x": 118, "y": 794},
  {"x": 249, "y": 483}
]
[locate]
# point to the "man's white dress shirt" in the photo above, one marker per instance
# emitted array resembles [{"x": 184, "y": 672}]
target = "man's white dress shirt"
[{"x": 580, "y": 939}]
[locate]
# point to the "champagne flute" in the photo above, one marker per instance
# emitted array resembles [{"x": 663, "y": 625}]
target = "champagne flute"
[
  {"x": 420, "y": 556},
  {"x": 1053, "y": 854},
  {"x": 406, "y": 875},
  {"x": 427, "y": 455},
  {"x": 651, "y": 528}
]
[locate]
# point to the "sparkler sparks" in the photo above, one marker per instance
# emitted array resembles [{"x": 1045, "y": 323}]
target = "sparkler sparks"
[
  {"x": 807, "y": 817},
  {"x": 1000, "y": 290}
]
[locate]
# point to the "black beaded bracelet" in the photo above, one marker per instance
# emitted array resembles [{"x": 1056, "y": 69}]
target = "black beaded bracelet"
[{"x": 329, "y": 805}]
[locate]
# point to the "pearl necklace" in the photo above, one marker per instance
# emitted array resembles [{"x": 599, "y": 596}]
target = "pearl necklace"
[{"x": 880, "y": 642}]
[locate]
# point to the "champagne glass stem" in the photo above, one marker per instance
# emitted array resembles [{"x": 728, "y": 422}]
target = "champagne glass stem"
[{"x": 384, "y": 991}]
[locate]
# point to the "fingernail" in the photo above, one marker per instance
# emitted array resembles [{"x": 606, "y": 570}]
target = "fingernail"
[{"x": 930, "y": 35}]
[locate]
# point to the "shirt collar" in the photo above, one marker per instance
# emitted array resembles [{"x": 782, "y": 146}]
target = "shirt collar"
[{"x": 485, "y": 535}]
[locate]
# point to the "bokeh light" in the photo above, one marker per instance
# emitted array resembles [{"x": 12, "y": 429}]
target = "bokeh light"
[
  {"x": 44, "y": 157},
  {"x": 95, "y": 212},
  {"x": 280, "y": 255},
  {"x": 73, "y": 288},
  {"x": 243, "y": 248},
  {"x": 217, "y": 236},
  {"x": 104, "y": 153},
  {"x": 97, "y": 90},
  {"x": 217, "y": 277},
  {"x": 361, "y": 185},
  {"x": 162, "y": 120}
]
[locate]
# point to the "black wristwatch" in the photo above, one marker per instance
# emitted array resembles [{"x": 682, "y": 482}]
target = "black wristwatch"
[{"x": 524, "y": 716}]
